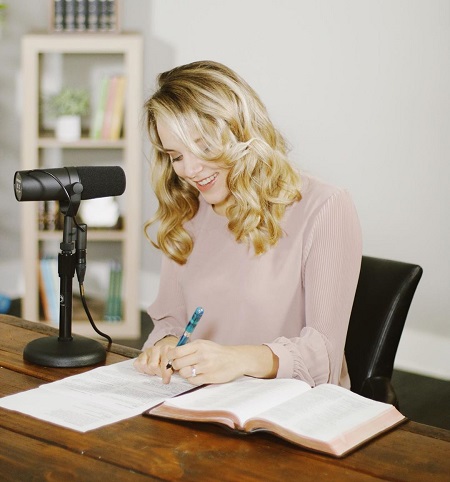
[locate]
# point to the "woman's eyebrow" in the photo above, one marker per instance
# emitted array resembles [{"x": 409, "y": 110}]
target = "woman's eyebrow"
[{"x": 168, "y": 150}]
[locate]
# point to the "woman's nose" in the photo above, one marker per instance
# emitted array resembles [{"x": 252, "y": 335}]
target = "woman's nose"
[{"x": 192, "y": 166}]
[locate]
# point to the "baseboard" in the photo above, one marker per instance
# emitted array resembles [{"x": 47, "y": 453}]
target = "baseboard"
[{"x": 424, "y": 353}]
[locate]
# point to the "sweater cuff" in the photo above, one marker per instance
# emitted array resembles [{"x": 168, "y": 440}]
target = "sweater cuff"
[
  {"x": 285, "y": 360},
  {"x": 161, "y": 329}
]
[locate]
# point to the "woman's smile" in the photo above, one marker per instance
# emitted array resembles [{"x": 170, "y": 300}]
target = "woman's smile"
[{"x": 207, "y": 182}]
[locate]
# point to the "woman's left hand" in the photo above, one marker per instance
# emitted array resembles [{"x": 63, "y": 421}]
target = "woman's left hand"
[{"x": 203, "y": 361}]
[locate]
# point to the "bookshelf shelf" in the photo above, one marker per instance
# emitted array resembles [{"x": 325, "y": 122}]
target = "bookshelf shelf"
[
  {"x": 93, "y": 235},
  {"x": 113, "y": 328},
  {"x": 40, "y": 148},
  {"x": 47, "y": 140}
]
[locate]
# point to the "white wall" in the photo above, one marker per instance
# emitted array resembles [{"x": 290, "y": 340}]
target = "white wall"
[{"x": 361, "y": 90}]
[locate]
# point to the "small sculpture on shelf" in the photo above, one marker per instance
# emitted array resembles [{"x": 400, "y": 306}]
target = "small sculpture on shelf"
[{"x": 68, "y": 106}]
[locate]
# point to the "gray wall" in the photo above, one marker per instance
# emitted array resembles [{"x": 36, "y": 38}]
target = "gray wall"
[{"x": 361, "y": 90}]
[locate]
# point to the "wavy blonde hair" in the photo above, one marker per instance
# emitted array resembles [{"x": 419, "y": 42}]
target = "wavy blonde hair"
[{"x": 212, "y": 101}]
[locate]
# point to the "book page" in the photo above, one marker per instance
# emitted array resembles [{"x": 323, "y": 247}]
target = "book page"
[
  {"x": 325, "y": 412},
  {"x": 95, "y": 398},
  {"x": 244, "y": 397}
]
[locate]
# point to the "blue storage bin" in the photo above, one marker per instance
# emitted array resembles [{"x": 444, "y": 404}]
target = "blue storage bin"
[{"x": 5, "y": 303}]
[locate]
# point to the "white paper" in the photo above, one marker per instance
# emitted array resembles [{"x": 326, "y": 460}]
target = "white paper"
[{"x": 95, "y": 398}]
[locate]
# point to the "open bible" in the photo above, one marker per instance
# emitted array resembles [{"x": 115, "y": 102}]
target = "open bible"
[{"x": 326, "y": 418}]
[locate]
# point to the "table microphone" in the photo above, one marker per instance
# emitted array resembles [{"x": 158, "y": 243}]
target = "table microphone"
[
  {"x": 61, "y": 182},
  {"x": 69, "y": 185}
]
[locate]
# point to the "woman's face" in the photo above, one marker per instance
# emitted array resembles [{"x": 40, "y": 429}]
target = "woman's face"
[{"x": 206, "y": 176}]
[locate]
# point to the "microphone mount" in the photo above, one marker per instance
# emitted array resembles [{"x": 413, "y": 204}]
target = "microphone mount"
[{"x": 69, "y": 207}]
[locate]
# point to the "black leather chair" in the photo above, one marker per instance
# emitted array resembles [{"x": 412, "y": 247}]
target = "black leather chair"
[{"x": 382, "y": 300}]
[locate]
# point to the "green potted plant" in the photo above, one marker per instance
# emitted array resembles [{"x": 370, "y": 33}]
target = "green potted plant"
[
  {"x": 3, "y": 7},
  {"x": 68, "y": 106}
]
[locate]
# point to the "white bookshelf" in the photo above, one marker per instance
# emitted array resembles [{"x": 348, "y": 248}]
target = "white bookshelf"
[{"x": 89, "y": 51}]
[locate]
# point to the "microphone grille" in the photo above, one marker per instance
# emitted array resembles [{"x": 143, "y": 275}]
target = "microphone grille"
[{"x": 101, "y": 181}]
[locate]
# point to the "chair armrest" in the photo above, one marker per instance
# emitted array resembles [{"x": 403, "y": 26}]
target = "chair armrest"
[{"x": 380, "y": 389}]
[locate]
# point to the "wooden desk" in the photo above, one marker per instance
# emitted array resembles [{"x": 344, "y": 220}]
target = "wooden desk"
[{"x": 143, "y": 448}]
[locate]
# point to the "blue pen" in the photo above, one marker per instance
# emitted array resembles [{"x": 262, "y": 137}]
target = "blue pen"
[{"x": 198, "y": 313}]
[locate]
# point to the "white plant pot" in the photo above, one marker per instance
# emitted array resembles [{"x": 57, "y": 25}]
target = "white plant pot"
[{"x": 68, "y": 128}]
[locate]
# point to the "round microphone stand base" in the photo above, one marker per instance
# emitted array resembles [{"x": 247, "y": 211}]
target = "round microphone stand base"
[{"x": 53, "y": 352}]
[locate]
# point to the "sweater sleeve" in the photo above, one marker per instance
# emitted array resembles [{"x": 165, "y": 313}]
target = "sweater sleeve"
[
  {"x": 331, "y": 264},
  {"x": 168, "y": 310}
]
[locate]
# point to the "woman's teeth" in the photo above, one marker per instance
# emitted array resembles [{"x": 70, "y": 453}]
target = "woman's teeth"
[{"x": 206, "y": 181}]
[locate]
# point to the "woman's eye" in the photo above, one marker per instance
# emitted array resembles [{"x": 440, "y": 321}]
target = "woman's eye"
[{"x": 179, "y": 158}]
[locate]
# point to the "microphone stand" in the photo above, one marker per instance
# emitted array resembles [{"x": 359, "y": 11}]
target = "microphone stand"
[{"x": 66, "y": 350}]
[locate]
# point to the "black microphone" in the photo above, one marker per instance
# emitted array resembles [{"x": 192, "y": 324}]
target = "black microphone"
[{"x": 60, "y": 183}]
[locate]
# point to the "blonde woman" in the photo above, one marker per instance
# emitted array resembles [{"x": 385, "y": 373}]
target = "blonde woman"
[{"x": 272, "y": 255}]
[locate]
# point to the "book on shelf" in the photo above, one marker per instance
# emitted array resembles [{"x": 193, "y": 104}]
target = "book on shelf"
[
  {"x": 49, "y": 216},
  {"x": 41, "y": 216},
  {"x": 92, "y": 15},
  {"x": 80, "y": 15},
  {"x": 69, "y": 15},
  {"x": 97, "y": 120},
  {"x": 113, "y": 308},
  {"x": 117, "y": 109},
  {"x": 103, "y": 16},
  {"x": 55, "y": 288},
  {"x": 52, "y": 215},
  {"x": 49, "y": 290},
  {"x": 326, "y": 418},
  {"x": 112, "y": 13},
  {"x": 107, "y": 15},
  {"x": 58, "y": 15},
  {"x": 109, "y": 107},
  {"x": 107, "y": 121},
  {"x": 43, "y": 294}
]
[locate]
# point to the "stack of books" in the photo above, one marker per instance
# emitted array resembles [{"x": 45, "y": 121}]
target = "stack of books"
[
  {"x": 84, "y": 16},
  {"x": 107, "y": 120}
]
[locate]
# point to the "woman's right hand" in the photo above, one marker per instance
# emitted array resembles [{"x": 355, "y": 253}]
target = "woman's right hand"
[{"x": 153, "y": 360}]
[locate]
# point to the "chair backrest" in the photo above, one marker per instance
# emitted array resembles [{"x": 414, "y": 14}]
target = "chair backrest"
[{"x": 382, "y": 300}]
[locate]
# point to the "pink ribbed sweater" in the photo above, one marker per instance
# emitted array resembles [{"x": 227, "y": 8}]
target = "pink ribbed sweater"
[{"x": 296, "y": 298}]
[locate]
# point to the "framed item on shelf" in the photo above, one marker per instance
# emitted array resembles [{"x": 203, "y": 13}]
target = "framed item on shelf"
[{"x": 82, "y": 16}]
